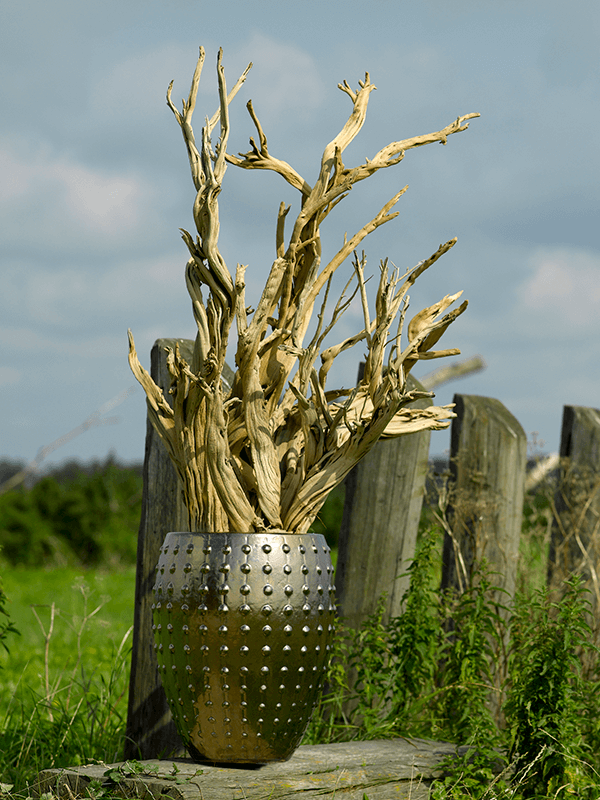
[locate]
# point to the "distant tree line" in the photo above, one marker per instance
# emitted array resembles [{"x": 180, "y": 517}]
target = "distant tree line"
[{"x": 76, "y": 513}]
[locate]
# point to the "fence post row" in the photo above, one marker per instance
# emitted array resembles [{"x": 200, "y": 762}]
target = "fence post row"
[
  {"x": 384, "y": 496},
  {"x": 488, "y": 455},
  {"x": 575, "y": 536},
  {"x": 378, "y": 535}
]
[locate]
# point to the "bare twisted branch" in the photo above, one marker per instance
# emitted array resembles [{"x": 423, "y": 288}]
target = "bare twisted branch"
[{"x": 265, "y": 452}]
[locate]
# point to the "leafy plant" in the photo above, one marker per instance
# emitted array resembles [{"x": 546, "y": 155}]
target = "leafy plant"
[
  {"x": 546, "y": 700},
  {"x": 396, "y": 663},
  {"x": 466, "y": 675},
  {"x": 415, "y": 641},
  {"x": 381, "y": 677},
  {"x": 470, "y": 655},
  {"x": 6, "y": 624}
]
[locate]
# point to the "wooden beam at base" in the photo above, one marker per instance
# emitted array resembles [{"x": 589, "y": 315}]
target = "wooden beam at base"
[{"x": 396, "y": 769}]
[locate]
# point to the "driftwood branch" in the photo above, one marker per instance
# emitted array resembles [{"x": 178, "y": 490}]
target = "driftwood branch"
[{"x": 264, "y": 452}]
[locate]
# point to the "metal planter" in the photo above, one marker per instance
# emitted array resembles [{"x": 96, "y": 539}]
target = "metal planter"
[{"x": 242, "y": 629}]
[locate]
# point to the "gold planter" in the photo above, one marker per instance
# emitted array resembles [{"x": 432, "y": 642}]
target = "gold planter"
[{"x": 242, "y": 628}]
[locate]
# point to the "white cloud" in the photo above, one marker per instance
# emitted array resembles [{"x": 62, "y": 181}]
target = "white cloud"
[
  {"x": 107, "y": 203},
  {"x": 564, "y": 287},
  {"x": 62, "y": 194}
]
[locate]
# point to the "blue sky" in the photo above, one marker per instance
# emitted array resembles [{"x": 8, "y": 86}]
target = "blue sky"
[{"x": 95, "y": 186}]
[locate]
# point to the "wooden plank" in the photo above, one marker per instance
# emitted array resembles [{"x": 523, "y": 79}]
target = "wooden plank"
[
  {"x": 384, "y": 496},
  {"x": 488, "y": 452},
  {"x": 575, "y": 537},
  {"x": 398, "y": 768},
  {"x": 150, "y": 728}
]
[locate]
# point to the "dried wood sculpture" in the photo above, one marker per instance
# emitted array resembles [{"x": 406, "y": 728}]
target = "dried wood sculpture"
[{"x": 265, "y": 454}]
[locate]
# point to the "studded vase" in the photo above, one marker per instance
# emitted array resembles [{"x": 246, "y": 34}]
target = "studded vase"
[{"x": 242, "y": 628}]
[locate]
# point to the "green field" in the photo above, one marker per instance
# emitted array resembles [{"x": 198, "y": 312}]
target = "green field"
[
  {"x": 92, "y": 613},
  {"x": 64, "y": 681}
]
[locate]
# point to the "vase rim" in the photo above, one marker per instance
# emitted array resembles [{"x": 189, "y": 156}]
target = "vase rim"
[{"x": 274, "y": 532}]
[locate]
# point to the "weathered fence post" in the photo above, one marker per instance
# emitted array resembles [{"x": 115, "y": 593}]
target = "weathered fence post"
[
  {"x": 150, "y": 727},
  {"x": 488, "y": 453},
  {"x": 575, "y": 538},
  {"x": 384, "y": 496}
]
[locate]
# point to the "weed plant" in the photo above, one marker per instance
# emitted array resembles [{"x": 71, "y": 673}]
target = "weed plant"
[
  {"x": 7, "y": 626},
  {"x": 546, "y": 699},
  {"x": 432, "y": 673}
]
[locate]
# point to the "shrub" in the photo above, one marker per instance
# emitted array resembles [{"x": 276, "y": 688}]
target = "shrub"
[{"x": 85, "y": 518}]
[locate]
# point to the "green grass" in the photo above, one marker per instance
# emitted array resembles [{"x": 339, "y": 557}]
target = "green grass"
[
  {"x": 92, "y": 612},
  {"x": 63, "y": 685},
  {"x": 65, "y": 678}
]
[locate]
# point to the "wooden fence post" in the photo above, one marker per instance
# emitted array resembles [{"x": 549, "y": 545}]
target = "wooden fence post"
[
  {"x": 384, "y": 496},
  {"x": 488, "y": 453},
  {"x": 575, "y": 537},
  {"x": 150, "y": 730},
  {"x": 150, "y": 727}
]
